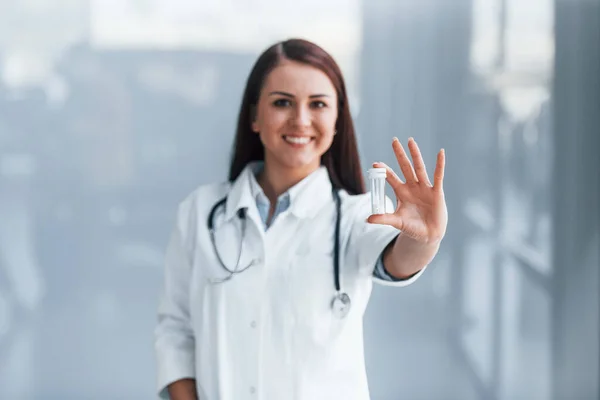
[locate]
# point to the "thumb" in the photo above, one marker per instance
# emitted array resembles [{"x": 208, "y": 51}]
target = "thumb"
[{"x": 385, "y": 219}]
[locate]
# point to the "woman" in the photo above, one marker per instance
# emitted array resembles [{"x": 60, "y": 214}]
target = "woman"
[{"x": 285, "y": 325}]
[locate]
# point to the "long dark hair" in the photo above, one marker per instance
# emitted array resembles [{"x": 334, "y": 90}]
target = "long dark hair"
[{"x": 341, "y": 159}]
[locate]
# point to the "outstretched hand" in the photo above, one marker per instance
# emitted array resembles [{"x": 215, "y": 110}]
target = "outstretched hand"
[{"x": 421, "y": 211}]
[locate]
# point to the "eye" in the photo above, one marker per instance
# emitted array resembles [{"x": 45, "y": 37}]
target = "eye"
[
  {"x": 318, "y": 104},
  {"x": 281, "y": 103}
]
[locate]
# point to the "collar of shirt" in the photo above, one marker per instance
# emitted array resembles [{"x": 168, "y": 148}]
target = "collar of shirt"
[
  {"x": 262, "y": 202},
  {"x": 303, "y": 199}
]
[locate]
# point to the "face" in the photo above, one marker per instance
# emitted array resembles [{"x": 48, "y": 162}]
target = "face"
[{"x": 295, "y": 117}]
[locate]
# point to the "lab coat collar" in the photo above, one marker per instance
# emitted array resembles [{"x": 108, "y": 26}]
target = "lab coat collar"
[
  {"x": 240, "y": 194},
  {"x": 306, "y": 198},
  {"x": 309, "y": 195}
]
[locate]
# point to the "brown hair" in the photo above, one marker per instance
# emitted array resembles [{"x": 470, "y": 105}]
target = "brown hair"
[{"x": 341, "y": 159}]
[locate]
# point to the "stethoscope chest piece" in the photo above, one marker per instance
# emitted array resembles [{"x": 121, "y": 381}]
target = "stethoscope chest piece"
[{"x": 341, "y": 305}]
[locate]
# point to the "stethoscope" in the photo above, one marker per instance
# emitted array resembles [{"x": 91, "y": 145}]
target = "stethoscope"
[{"x": 340, "y": 304}]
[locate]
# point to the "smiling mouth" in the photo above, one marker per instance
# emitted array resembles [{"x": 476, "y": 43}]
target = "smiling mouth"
[{"x": 299, "y": 140}]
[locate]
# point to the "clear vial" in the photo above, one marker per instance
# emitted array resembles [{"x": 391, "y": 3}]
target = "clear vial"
[{"x": 377, "y": 187}]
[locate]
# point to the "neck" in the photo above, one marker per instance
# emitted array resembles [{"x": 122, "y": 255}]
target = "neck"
[{"x": 276, "y": 180}]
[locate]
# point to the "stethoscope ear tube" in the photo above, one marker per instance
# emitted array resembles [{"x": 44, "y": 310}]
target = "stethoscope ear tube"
[
  {"x": 211, "y": 214},
  {"x": 211, "y": 229},
  {"x": 336, "y": 245},
  {"x": 341, "y": 303}
]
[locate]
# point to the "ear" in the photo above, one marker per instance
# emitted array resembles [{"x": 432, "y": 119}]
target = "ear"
[{"x": 253, "y": 122}]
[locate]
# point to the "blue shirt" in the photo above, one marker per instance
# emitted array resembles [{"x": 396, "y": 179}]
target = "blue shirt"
[{"x": 283, "y": 202}]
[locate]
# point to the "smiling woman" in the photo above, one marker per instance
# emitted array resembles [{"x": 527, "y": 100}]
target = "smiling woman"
[
  {"x": 268, "y": 297},
  {"x": 295, "y": 121},
  {"x": 296, "y": 95}
]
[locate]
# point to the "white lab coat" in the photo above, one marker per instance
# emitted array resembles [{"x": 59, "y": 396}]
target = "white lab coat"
[{"x": 269, "y": 332}]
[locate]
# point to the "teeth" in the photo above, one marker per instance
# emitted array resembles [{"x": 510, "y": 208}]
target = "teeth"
[{"x": 297, "y": 140}]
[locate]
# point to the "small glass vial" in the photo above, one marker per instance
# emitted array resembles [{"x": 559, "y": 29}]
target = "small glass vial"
[{"x": 377, "y": 187}]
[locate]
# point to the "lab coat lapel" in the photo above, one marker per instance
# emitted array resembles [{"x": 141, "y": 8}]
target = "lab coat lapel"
[
  {"x": 240, "y": 196},
  {"x": 307, "y": 198}
]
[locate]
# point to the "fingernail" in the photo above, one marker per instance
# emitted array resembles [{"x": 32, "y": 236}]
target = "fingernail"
[
  {"x": 411, "y": 138},
  {"x": 395, "y": 139}
]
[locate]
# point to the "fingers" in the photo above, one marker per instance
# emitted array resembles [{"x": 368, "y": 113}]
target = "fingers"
[
  {"x": 418, "y": 163},
  {"x": 404, "y": 162},
  {"x": 438, "y": 175},
  {"x": 418, "y": 174}
]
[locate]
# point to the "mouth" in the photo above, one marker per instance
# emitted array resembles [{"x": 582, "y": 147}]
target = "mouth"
[{"x": 298, "y": 140}]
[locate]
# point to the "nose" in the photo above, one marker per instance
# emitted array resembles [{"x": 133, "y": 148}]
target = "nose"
[{"x": 302, "y": 117}]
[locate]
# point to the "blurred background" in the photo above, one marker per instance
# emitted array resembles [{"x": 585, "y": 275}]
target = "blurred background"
[{"x": 111, "y": 112}]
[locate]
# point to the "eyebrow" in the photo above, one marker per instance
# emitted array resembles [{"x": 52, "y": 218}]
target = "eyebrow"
[{"x": 312, "y": 96}]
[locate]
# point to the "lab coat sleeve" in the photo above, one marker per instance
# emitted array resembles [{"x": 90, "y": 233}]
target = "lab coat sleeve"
[
  {"x": 368, "y": 241},
  {"x": 174, "y": 340}
]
